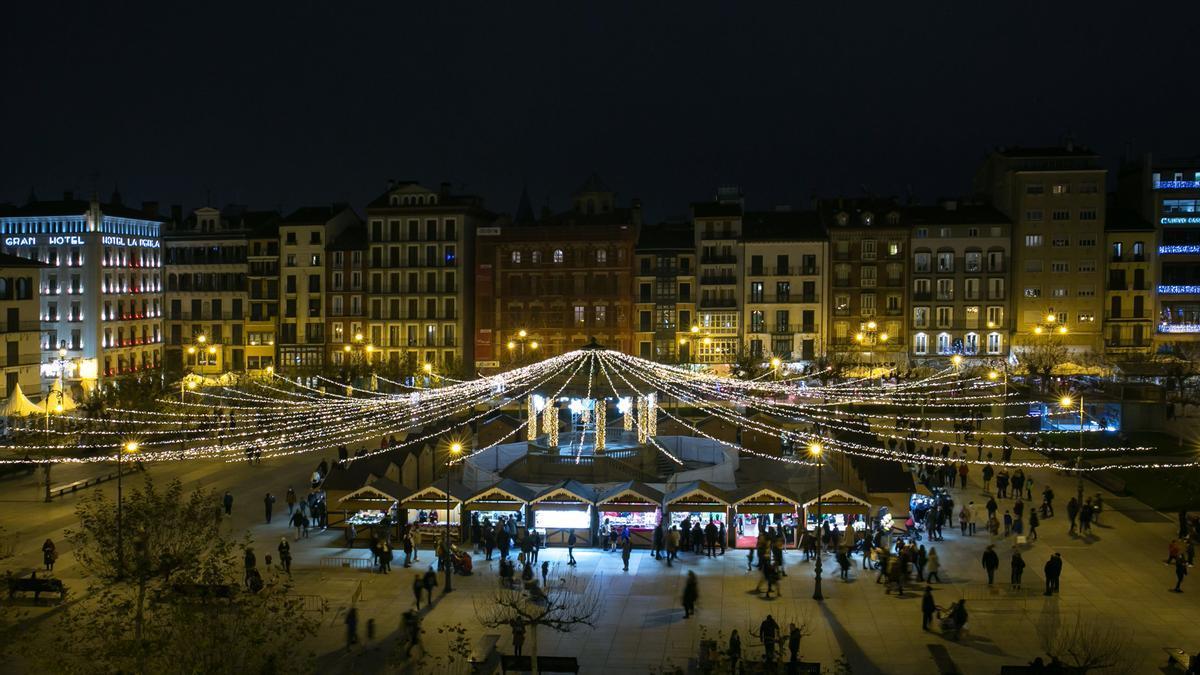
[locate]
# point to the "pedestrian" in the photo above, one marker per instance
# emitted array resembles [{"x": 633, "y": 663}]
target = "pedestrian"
[
  {"x": 49, "y": 555},
  {"x": 710, "y": 538},
  {"x": 991, "y": 507},
  {"x": 768, "y": 632},
  {"x": 972, "y": 515},
  {"x": 990, "y": 562},
  {"x": 1018, "y": 568},
  {"x": 657, "y": 541},
  {"x": 1008, "y": 523},
  {"x": 626, "y": 550},
  {"x": 691, "y": 593},
  {"x": 735, "y": 651},
  {"x": 571, "y": 541},
  {"x": 964, "y": 517},
  {"x": 290, "y": 498},
  {"x": 299, "y": 522},
  {"x": 385, "y": 557},
  {"x": 794, "y": 636},
  {"x": 418, "y": 586},
  {"x": 1085, "y": 516},
  {"x": 1181, "y": 570},
  {"x": 431, "y": 583},
  {"x": 987, "y": 478},
  {"x": 1047, "y": 502},
  {"x": 922, "y": 559},
  {"x": 932, "y": 565},
  {"x": 250, "y": 563},
  {"x": 518, "y": 636},
  {"x": 411, "y": 627},
  {"x": 285, "y": 554},
  {"x": 1053, "y": 570},
  {"x": 351, "y": 628},
  {"x": 545, "y": 573},
  {"x": 962, "y": 475},
  {"x": 928, "y": 607},
  {"x": 1033, "y": 524},
  {"x": 1097, "y": 506},
  {"x": 672, "y": 545},
  {"x": 227, "y": 501},
  {"x": 269, "y": 504},
  {"x": 1072, "y": 513}
]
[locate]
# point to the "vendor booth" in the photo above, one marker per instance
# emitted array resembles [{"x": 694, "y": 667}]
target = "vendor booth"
[
  {"x": 425, "y": 512},
  {"x": 372, "y": 512},
  {"x": 634, "y": 505},
  {"x": 697, "y": 500},
  {"x": 506, "y": 499},
  {"x": 840, "y": 508},
  {"x": 564, "y": 508},
  {"x": 763, "y": 507}
]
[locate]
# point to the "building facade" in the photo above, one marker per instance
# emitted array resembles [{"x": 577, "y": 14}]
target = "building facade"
[
  {"x": 101, "y": 288},
  {"x": 665, "y": 283},
  {"x": 717, "y": 229},
  {"x": 1130, "y": 316},
  {"x": 1056, "y": 200},
  {"x": 348, "y": 338},
  {"x": 959, "y": 283},
  {"x": 20, "y": 279},
  {"x": 303, "y": 235},
  {"x": 782, "y": 276}
]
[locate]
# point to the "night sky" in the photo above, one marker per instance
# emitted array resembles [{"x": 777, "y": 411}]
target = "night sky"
[{"x": 291, "y": 105}]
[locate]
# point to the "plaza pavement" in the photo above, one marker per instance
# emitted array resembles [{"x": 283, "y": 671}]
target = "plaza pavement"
[{"x": 1118, "y": 574}]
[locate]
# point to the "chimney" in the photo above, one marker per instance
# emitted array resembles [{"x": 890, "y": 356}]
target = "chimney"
[
  {"x": 150, "y": 208},
  {"x": 68, "y": 196}
]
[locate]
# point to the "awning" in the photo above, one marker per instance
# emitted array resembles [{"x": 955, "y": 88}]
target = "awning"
[
  {"x": 505, "y": 495},
  {"x": 840, "y": 501},
  {"x": 630, "y": 496},
  {"x": 697, "y": 496},
  {"x": 382, "y": 489},
  {"x": 435, "y": 497},
  {"x": 19, "y": 405},
  {"x": 568, "y": 494},
  {"x": 766, "y": 496}
]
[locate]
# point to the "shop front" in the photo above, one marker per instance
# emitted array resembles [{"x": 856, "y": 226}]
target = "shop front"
[
  {"x": 427, "y": 511},
  {"x": 701, "y": 501},
  {"x": 372, "y": 512},
  {"x": 764, "y": 508},
  {"x": 632, "y": 505},
  {"x": 562, "y": 509},
  {"x": 504, "y": 502},
  {"x": 841, "y": 509}
]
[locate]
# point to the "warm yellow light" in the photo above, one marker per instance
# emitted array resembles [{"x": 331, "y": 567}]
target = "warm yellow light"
[
  {"x": 1062, "y": 330},
  {"x": 683, "y": 341},
  {"x": 695, "y": 329},
  {"x": 58, "y": 408},
  {"x": 815, "y": 449},
  {"x": 201, "y": 339},
  {"x": 191, "y": 350},
  {"x": 191, "y": 384},
  {"x": 956, "y": 360},
  {"x": 993, "y": 375},
  {"x": 991, "y": 324},
  {"x": 346, "y": 348},
  {"x": 62, "y": 351},
  {"x": 883, "y": 337},
  {"x": 1050, "y": 318},
  {"x": 270, "y": 369},
  {"x": 511, "y": 345},
  {"x": 707, "y": 341},
  {"x": 1066, "y": 401},
  {"x": 859, "y": 337},
  {"x": 522, "y": 333},
  {"x": 131, "y": 446},
  {"x": 775, "y": 362},
  {"x": 456, "y": 448},
  {"x": 212, "y": 350},
  {"x": 428, "y": 367},
  {"x": 871, "y": 325},
  {"x": 533, "y": 345},
  {"x": 1037, "y": 330},
  {"x": 358, "y": 337},
  {"x": 370, "y": 348}
]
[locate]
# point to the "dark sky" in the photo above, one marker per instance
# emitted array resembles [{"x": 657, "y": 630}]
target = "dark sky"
[{"x": 306, "y": 103}]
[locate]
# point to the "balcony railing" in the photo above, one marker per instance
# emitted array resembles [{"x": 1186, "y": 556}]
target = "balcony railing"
[
  {"x": 717, "y": 259},
  {"x": 1126, "y": 314},
  {"x": 718, "y": 302},
  {"x": 719, "y": 279}
]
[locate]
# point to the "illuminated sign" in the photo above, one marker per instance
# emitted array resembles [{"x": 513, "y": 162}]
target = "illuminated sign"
[
  {"x": 56, "y": 240},
  {"x": 1179, "y": 327},
  {"x": 1178, "y": 248},
  {"x": 1178, "y": 289},
  {"x": 122, "y": 241},
  {"x": 20, "y": 241},
  {"x": 1180, "y": 220},
  {"x": 1176, "y": 184}
]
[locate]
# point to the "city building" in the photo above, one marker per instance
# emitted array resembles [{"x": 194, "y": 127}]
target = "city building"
[
  {"x": 557, "y": 281},
  {"x": 420, "y": 249},
  {"x": 783, "y": 259},
  {"x": 303, "y": 235},
  {"x": 101, "y": 288},
  {"x": 346, "y": 258},
  {"x": 262, "y": 291},
  {"x": 20, "y": 279},
  {"x": 1166, "y": 192},
  {"x": 959, "y": 282},
  {"x": 1130, "y": 316},
  {"x": 665, "y": 282},
  {"x": 1055, "y": 198},
  {"x": 867, "y": 240},
  {"x": 717, "y": 228},
  {"x": 208, "y": 292}
]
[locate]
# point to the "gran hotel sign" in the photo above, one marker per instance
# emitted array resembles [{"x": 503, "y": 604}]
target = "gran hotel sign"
[{"x": 75, "y": 240}]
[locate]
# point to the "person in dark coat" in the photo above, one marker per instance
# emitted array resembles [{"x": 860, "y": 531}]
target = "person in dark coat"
[
  {"x": 431, "y": 583},
  {"x": 710, "y": 539},
  {"x": 691, "y": 593},
  {"x": 990, "y": 562},
  {"x": 1181, "y": 570},
  {"x": 518, "y": 636},
  {"x": 1018, "y": 568},
  {"x": 227, "y": 502},
  {"x": 794, "y": 636},
  {"x": 657, "y": 542},
  {"x": 571, "y": 541},
  {"x": 285, "y": 554},
  {"x": 1072, "y": 512},
  {"x": 418, "y": 586},
  {"x": 1053, "y": 571},
  {"x": 250, "y": 563},
  {"x": 735, "y": 651},
  {"x": 768, "y": 632},
  {"x": 351, "y": 628},
  {"x": 626, "y": 550},
  {"x": 269, "y": 505},
  {"x": 928, "y": 608},
  {"x": 49, "y": 555}
]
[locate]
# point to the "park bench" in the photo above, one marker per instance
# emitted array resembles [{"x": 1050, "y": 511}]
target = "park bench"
[
  {"x": 546, "y": 664},
  {"x": 1178, "y": 657},
  {"x": 484, "y": 657},
  {"x": 35, "y": 586}
]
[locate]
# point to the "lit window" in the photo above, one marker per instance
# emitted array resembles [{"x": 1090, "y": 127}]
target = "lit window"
[
  {"x": 516, "y": 257},
  {"x": 558, "y": 255},
  {"x": 920, "y": 343}
]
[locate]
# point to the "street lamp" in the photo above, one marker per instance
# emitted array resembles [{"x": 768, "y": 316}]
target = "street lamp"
[
  {"x": 776, "y": 362},
  {"x": 521, "y": 340},
  {"x": 1066, "y": 402},
  {"x": 130, "y": 447},
  {"x": 814, "y": 451},
  {"x": 456, "y": 448}
]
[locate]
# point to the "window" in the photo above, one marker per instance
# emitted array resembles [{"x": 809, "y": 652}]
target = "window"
[
  {"x": 971, "y": 316},
  {"x": 995, "y": 316},
  {"x": 315, "y": 260},
  {"x": 920, "y": 317},
  {"x": 944, "y": 232},
  {"x": 922, "y": 288},
  {"x": 1088, "y": 188},
  {"x": 1033, "y": 291},
  {"x": 601, "y": 315},
  {"x": 868, "y": 277},
  {"x": 1033, "y": 240},
  {"x": 1061, "y": 189},
  {"x": 1035, "y": 189},
  {"x": 314, "y": 237},
  {"x": 291, "y": 260},
  {"x": 945, "y": 289},
  {"x": 972, "y": 232},
  {"x": 1087, "y": 317},
  {"x": 893, "y": 248},
  {"x": 558, "y": 255},
  {"x": 601, "y": 256},
  {"x": 971, "y": 343},
  {"x": 993, "y": 343},
  {"x": 516, "y": 257},
  {"x": 943, "y": 343},
  {"x": 1060, "y": 266},
  {"x": 756, "y": 291},
  {"x": 972, "y": 289},
  {"x": 1087, "y": 242},
  {"x": 1087, "y": 214},
  {"x": 995, "y": 261},
  {"x": 920, "y": 343},
  {"x": 974, "y": 261},
  {"x": 867, "y": 304},
  {"x": 921, "y": 263},
  {"x": 1086, "y": 292},
  {"x": 945, "y": 261},
  {"x": 757, "y": 322},
  {"x": 535, "y": 257},
  {"x": 945, "y": 317},
  {"x": 1059, "y": 292},
  {"x": 868, "y": 249},
  {"x": 580, "y": 315},
  {"x": 1059, "y": 243},
  {"x": 1060, "y": 215},
  {"x": 921, "y": 233},
  {"x": 1139, "y": 250},
  {"x": 1033, "y": 215}
]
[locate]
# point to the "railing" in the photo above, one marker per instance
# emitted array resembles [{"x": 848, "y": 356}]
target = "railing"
[
  {"x": 715, "y": 259},
  {"x": 75, "y": 486},
  {"x": 786, "y": 329},
  {"x": 347, "y": 561},
  {"x": 718, "y": 302},
  {"x": 1126, "y": 314},
  {"x": 728, "y": 279}
]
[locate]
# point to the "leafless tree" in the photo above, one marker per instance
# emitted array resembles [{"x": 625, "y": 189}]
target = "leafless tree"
[
  {"x": 1088, "y": 644},
  {"x": 566, "y": 605},
  {"x": 1037, "y": 355}
]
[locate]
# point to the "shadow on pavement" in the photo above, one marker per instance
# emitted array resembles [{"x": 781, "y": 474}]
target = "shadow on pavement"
[{"x": 849, "y": 646}]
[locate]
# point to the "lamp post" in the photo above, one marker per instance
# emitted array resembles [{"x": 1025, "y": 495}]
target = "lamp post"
[
  {"x": 867, "y": 337},
  {"x": 523, "y": 341},
  {"x": 776, "y": 362},
  {"x": 455, "y": 449},
  {"x": 1066, "y": 402},
  {"x": 814, "y": 451},
  {"x": 130, "y": 447}
]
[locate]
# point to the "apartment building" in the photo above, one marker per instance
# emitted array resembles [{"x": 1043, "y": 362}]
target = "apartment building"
[
  {"x": 262, "y": 292},
  {"x": 349, "y": 338},
  {"x": 783, "y": 258},
  {"x": 101, "y": 287},
  {"x": 20, "y": 279},
  {"x": 665, "y": 282},
  {"x": 1056, "y": 199},
  {"x": 867, "y": 242},
  {"x": 717, "y": 228},
  {"x": 1130, "y": 316},
  {"x": 1166, "y": 192},
  {"x": 206, "y": 268},
  {"x": 562, "y": 279},
  {"x": 303, "y": 235},
  {"x": 420, "y": 253},
  {"x": 959, "y": 282}
]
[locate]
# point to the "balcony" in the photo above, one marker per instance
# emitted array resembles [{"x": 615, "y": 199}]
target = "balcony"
[
  {"x": 791, "y": 328},
  {"x": 719, "y": 279},
  {"x": 841, "y": 282},
  {"x": 1179, "y": 328},
  {"x": 718, "y": 302},
  {"x": 1179, "y": 289},
  {"x": 717, "y": 259},
  {"x": 1126, "y": 314}
]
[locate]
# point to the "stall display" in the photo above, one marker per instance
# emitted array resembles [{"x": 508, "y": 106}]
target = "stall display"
[
  {"x": 678, "y": 517},
  {"x": 563, "y": 519},
  {"x": 368, "y": 518},
  {"x": 634, "y": 520}
]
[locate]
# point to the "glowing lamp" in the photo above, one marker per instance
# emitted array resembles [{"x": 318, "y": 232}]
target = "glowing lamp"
[
  {"x": 992, "y": 375},
  {"x": 1050, "y": 318},
  {"x": 533, "y": 345},
  {"x": 511, "y": 345},
  {"x": 428, "y": 368},
  {"x": 775, "y": 362},
  {"x": 201, "y": 339},
  {"x": 521, "y": 333},
  {"x": 456, "y": 448},
  {"x": 883, "y": 337},
  {"x": 1066, "y": 401},
  {"x": 1062, "y": 330},
  {"x": 346, "y": 348},
  {"x": 815, "y": 449}
]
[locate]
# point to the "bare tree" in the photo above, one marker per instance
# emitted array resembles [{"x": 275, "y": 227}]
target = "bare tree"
[
  {"x": 1088, "y": 644},
  {"x": 565, "y": 606},
  {"x": 1039, "y": 354}
]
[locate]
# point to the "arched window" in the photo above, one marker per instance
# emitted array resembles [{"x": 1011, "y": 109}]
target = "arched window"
[
  {"x": 558, "y": 255},
  {"x": 943, "y": 343},
  {"x": 920, "y": 343},
  {"x": 536, "y": 257},
  {"x": 601, "y": 256},
  {"x": 971, "y": 344},
  {"x": 994, "y": 343}
]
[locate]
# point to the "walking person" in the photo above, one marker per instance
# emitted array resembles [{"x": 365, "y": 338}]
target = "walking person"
[
  {"x": 768, "y": 632},
  {"x": 418, "y": 587},
  {"x": 250, "y": 563},
  {"x": 290, "y": 498},
  {"x": 928, "y": 607},
  {"x": 1053, "y": 570},
  {"x": 626, "y": 550},
  {"x": 1033, "y": 524},
  {"x": 518, "y": 636},
  {"x": 1181, "y": 570},
  {"x": 545, "y": 573},
  {"x": 1072, "y": 513},
  {"x": 932, "y": 566},
  {"x": 285, "y": 555},
  {"x": 672, "y": 545},
  {"x": 227, "y": 502},
  {"x": 571, "y": 541},
  {"x": 1018, "y": 568},
  {"x": 990, "y": 562},
  {"x": 657, "y": 542},
  {"x": 964, "y": 517},
  {"x": 735, "y": 651},
  {"x": 351, "y": 628},
  {"x": 431, "y": 583},
  {"x": 691, "y": 593},
  {"x": 299, "y": 522},
  {"x": 269, "y": 505},
  {"x": 794, "y": 636}
]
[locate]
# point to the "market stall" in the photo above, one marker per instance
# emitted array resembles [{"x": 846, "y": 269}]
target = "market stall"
[
  {"x": 634, "y": 505},
  {"x": 763, "y": 507},
  {"x": 560, "y": 509},
  {"x": 506, "y": 499},
  {"x": 697, "y": 500},
  {"x": 840, "y": 508},
  {"x": 427, "y": 510},
  {"x": 371, "y": 512}
]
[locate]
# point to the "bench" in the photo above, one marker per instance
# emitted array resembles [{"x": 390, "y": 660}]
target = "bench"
[
  {"x": 36, "y": 586},
  {"x": 1178, "y": 657},
  {"x": 484, "y": 657},
  {"x": 546, "y": 664}
]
